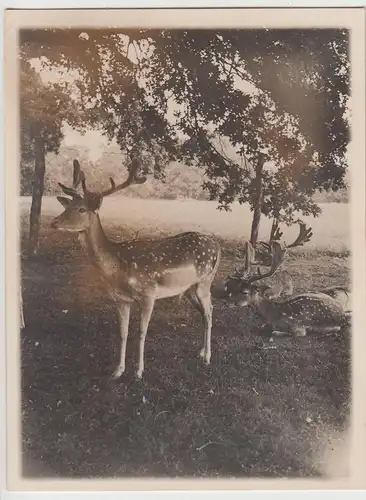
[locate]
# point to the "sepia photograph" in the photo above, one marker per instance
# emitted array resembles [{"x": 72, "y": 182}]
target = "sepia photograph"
[{"x": 182, "y": 190}]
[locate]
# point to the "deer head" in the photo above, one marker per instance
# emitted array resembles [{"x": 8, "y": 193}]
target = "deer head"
[
  {"x": 244, "y": 285},
  {"x": 79, "y": 208},
  {"x": 243, "y": 282}
]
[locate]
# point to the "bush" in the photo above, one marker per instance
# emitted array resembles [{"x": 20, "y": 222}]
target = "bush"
[{"x": 181, "y": 181}]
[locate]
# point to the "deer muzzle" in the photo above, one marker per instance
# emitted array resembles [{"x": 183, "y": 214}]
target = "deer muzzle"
[
  {"x": 54, "y": 224},
  {"x": 57, "y": 223},
  {"x": 219, "y": 291}
]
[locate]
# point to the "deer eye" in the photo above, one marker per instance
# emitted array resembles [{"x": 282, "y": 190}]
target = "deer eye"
[{"x": 82, "y": 210}]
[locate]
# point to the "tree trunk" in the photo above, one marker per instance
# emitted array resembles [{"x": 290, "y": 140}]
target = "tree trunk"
[
  {"x": 258, "y": 200},
  {"x": 38, "y": 188}
]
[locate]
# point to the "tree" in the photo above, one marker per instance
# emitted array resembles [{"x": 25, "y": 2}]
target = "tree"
[
  {"x": 43, "y": 109},
  {"x": 295, "y": 75},
  {"x": 177, "y": 94}
]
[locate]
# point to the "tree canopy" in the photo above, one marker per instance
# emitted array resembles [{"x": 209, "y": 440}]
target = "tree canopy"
[{"x": 217, "y": 99}]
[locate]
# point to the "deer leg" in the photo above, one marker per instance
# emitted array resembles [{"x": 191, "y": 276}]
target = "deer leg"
[
  {"x": 327, "y": 329},
  {"x": 146, "y": 310},
  {"x": 179, "y": 299},
  {"x": 123, "y": 311},
  {"x": 281, "y": 329},
  {"x": 203, "y": 294},
  {"x": 193, "y": 300}
]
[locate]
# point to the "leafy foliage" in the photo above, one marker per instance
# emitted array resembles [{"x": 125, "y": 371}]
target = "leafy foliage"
[
  {"x": 43, "y": 109},
  {"x": 177, "y": 94},
  {"x": 179, "y": 181},
  {"x": 294, "y": 112}
]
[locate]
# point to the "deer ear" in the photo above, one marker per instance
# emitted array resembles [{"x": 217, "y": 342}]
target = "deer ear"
[
  {"x": 95, "y": 202},
  {"x": 64, "y": 201}
]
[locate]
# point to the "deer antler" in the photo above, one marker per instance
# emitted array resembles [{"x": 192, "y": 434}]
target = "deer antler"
[
  {"x": 275, "y": 235},
  {"x": 76, "y": 174},
  {"x": 305, "y": 235},
  {"x": 78, "y": 177},
  {"x": 248, "y": 261},
  {"x": 278, "y": 253},
  {"x": 83, "y": 183},
  {"x": 275, "y": 251},
  {"x": 132, "y": 178}
]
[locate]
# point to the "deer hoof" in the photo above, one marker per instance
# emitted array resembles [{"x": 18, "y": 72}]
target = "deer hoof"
[
  {"x": 117, "y": 374},
  {"x": 139, "y": 375}
]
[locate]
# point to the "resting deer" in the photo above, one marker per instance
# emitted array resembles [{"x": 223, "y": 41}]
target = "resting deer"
[
  {"x": 339, "y": 293},
  {"x": 138, "y": 271},
  {"x": 286, "y": 288},
  {"x": 295, "y": 315}
]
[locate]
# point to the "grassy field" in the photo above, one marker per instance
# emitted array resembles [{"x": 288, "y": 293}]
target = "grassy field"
[
  {"x": 260, "y": 409},
  {"x": 148, "y": 217}
]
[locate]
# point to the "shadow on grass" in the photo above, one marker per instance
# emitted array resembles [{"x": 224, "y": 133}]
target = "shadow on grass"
[{"x": 255, "y": 411}]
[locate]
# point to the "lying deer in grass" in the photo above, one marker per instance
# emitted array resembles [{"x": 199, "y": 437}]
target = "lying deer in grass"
[
  {"x": 138, "y": 271},
  {"x": 286, "y": 288},
  {"x": 295, "y": 315},
  {"x": 340, "y": 293}
]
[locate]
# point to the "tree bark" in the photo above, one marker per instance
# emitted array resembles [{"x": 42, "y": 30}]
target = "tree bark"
[
  {"x": 37, "y": 193},
  {"x": 257, "y": 212}
]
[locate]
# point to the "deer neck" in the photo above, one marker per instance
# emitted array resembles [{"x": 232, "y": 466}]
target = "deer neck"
[
  {"x": 263, "y": 305},
  {"x": 97, "y": 245}
]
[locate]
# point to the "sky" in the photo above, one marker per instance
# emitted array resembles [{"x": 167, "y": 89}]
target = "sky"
[{"x": 93, "y": 141}]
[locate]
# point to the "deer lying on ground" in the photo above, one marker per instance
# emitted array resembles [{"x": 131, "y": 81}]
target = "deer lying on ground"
[
  {"x": 286, "y": 287},
  {"x": 295, "y": 315},
  {"x": 138, "y": 271},
  {"x": 339, "y": 293}
]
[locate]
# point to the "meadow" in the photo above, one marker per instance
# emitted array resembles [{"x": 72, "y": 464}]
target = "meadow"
[{"x": 261, "y": 408}]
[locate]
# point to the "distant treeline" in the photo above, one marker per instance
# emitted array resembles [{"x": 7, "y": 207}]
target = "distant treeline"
[{"x": 181, "y": 181}]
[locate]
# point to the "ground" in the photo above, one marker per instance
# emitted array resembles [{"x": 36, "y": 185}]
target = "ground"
[{"x": 260, "y": 409}]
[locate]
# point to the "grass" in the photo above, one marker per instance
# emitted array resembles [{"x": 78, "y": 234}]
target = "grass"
[{"x": 259, "y": 409}]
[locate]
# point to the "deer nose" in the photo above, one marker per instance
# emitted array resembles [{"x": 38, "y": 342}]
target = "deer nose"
[{"x": 219, "y": 291}]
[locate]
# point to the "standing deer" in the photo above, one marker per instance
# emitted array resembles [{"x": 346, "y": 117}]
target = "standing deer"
[
  {"x": 138, "y": 271},
  {"x": 295, "y": 315}
]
